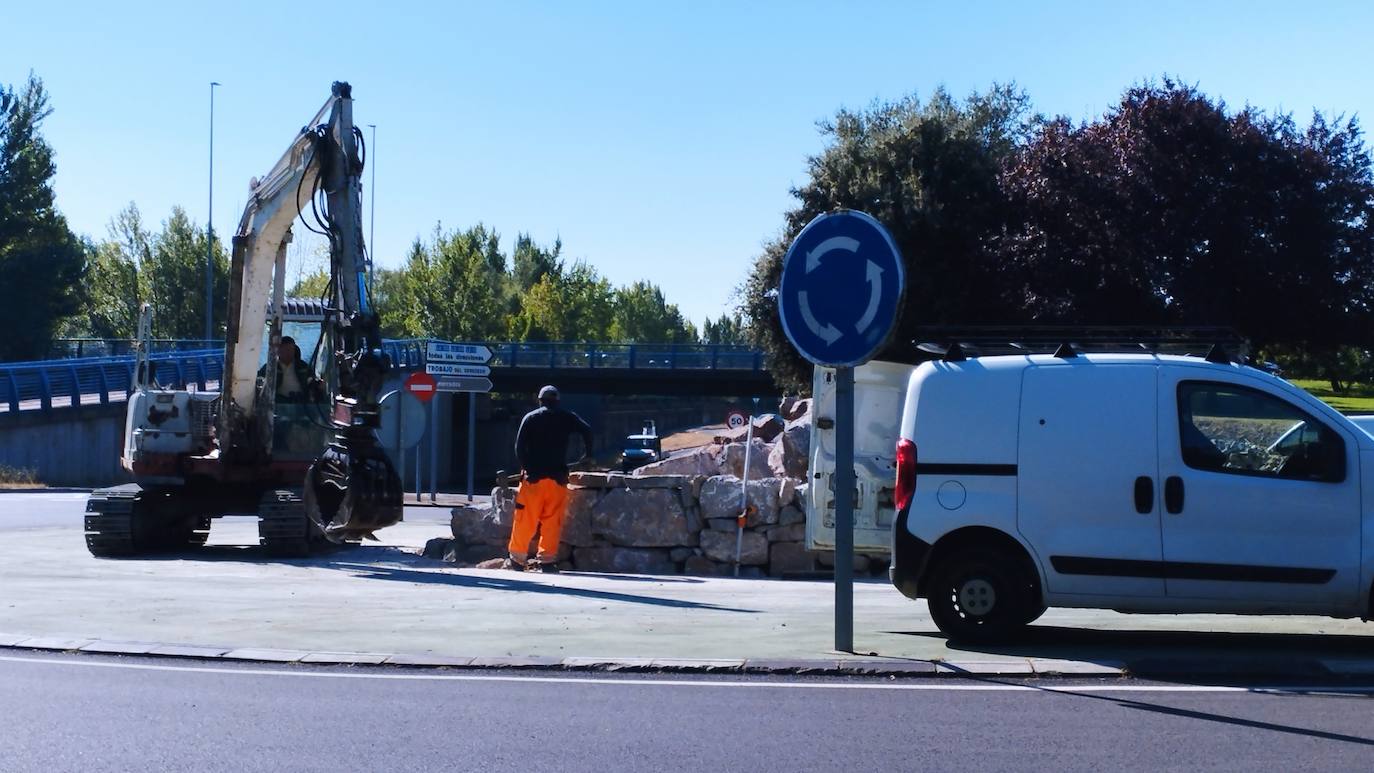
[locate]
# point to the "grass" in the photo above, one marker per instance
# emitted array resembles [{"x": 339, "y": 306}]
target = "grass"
[
  {"x": 1358, "y": 398},
  {"x": 18, "y": 478}
]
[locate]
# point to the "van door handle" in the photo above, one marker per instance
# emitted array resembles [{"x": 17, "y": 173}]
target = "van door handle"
[
  {"x": 1144, "y": 494},
  {"x": 1173, "y": 494}
]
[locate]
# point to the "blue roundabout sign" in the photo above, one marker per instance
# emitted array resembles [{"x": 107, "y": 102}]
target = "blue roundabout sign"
[{"x": 841, "y": 289}]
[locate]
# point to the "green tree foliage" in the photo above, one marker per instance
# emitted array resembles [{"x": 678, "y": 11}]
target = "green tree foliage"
[
  {"x": 642, "y": 315},
  {"x": 454, "y": 287},
  {"x": 574, "y": 306},
  {"x": 1172, "y": 209},
  {"x": 729, "y": 330},
  {"x": 174, "y": 279},
  {"x": 42, "y": 261},
  {"x": 113, "y": 283},
  {"x": 929, "y": 171}
]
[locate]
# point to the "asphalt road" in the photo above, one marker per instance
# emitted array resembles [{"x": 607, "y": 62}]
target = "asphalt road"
[{"x": 91, "y": 713}]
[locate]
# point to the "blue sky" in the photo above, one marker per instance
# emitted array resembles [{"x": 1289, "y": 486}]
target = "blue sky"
[{"x": 658, "y": 139}]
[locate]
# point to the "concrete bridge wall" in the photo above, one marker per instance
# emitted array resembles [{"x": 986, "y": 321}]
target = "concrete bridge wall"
[{"x": 67, "y": 446}]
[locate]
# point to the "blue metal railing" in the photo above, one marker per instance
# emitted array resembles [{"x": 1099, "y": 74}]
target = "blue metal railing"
[
  {"x": 65, "y": 381},
  {"x": 557, "y": 356}
]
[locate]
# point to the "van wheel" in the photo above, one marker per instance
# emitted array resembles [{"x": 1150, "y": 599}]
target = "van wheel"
[{"x": 980, "y": 595}]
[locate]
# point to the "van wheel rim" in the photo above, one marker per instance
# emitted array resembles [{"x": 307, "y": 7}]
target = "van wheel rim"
[{"x": 977, "y": 597}]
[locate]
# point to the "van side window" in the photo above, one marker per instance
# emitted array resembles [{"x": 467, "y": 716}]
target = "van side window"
[{"x": 1232, "y": 429}]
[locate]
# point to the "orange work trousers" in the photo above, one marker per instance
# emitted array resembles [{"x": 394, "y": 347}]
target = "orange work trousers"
[{"x": 538, "y": 505}]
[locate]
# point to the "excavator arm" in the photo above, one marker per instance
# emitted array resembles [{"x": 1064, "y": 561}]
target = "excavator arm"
[{"x": 352, "y": 489}]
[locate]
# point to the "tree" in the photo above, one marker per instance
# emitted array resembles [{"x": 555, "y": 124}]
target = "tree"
[
  {"x": 454, "y": 287},
  {"x": 728, "y": 330},
  {"x": 41, "y": 260},
  {"x": 576, "y": 306},
  {"x": 1170, "y": 209},
  {"x": 929, "y": 171},
  {"x": 531, "y": 263},
  {"x": 113, "y": 287},
  {"x": 174, "y": 274},
  {"x": 642, "y": 315}
]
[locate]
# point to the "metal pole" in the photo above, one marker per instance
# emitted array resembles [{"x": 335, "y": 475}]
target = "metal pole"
[
  {"x": 400, "y": 439},
  {"x": 844, "y": 509},
  {"x": 434, "y": 449},
  {"x": 472, "y": 439},
  {"x": 743, "y": 495},
  {"x": 418, "y": 446},
  {"x": 210, "y": 230}
]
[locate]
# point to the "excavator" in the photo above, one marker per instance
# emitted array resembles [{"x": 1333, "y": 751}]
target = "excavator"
[{"x": 312, "y": 471}]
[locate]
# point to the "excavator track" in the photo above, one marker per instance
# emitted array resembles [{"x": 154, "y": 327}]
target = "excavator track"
[
  {"x": 127, "y": 521},
  {"x": 110, "y": 521},
  {"x": 284, "y": 530}
]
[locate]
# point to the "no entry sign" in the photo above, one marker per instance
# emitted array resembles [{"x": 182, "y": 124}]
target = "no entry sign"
[{"x": 421, "y": 385}]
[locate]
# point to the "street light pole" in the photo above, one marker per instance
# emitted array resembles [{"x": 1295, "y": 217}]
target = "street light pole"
[{"x": 210, "y": 230}]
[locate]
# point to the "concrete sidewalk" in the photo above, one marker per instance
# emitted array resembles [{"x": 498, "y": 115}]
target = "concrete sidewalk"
[{"x": 384, "y": 599}]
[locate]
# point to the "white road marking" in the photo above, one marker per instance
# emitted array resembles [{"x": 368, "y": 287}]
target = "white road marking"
[{"x": 901, "y": 686}]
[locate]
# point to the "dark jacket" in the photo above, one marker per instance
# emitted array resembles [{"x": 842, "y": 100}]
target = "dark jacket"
[
  {"x": 311, "y": 388},
  {"x": 541, "y": 445}
]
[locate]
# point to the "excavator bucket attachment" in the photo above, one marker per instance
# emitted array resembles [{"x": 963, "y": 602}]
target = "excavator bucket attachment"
[{"x": 352, "y": 490}]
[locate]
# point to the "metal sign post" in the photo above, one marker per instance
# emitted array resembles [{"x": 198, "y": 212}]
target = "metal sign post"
[
  {"x": 844, "y": 509},
  {"x": 472, "y": 439},
  {"x": 460, "y": 368},
  {"x": 433, "y": 451},
  {"x": 841, "y": 289}
]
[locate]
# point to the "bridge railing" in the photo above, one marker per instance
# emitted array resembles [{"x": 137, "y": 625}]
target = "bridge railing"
[
  {"x": 64, "y": 382},
  {"x": 556, "y": 356}
]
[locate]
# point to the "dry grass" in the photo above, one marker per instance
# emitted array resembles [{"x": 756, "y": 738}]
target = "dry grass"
[
  {"x": 692, "y": 438},
  {"x": 19, "y": 478}
]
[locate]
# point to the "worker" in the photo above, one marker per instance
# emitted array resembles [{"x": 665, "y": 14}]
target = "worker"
[
  {"x": 295, "y": 382},
  {"x": 541, "y": 445}
]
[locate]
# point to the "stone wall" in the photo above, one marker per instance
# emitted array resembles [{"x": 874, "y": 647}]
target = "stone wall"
[{"x": 678, "y": 516}]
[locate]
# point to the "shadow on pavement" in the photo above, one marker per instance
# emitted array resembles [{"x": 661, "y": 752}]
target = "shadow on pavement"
[
  {"x": 1097, "y": 645},
  {"x": 378, "y": 562},
  {"x": 1208, "y": 716},
  {"x": 500, "y": 582}
]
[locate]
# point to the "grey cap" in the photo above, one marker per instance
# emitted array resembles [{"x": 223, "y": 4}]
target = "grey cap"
[{"x": 548, "y": 392}]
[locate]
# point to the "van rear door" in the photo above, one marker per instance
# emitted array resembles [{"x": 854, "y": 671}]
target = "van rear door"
[{"x": 879, "y": 393}]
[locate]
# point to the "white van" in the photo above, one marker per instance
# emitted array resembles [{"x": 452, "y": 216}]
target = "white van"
[{"x": 1135, "y": 482}]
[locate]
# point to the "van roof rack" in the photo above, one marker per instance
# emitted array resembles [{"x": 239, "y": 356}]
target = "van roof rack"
[{"x": 952, "y": 344}]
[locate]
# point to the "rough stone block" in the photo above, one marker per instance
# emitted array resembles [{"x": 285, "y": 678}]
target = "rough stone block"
[
  {"x": 437, "y": 547},
  {"x": 577, "y": 521},
  {"x": 702, "y": 462},
  {"x": 720, "y": 498},
  {"x": 659, "y": 481},
  {"x": 484, "y": 526},
  {"x": 722, "y": 524},
  {"x": 790, "y": 558},
  {"x": 720, "y": 546},
  {"x": 792, "y": 514},
  {"x": 790, "y": 454},
  {"x": 758, "y": 460},
  {"x": 642, "y": 518},
  {"x": 794, "y": 533},
  {"x": 678, "y": 555},
  {"x": 623, "y": 560},
  {"x": 704, "y": 567}
]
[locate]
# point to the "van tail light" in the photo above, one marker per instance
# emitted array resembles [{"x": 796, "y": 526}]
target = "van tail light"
[{"x": 906, "y": 474}]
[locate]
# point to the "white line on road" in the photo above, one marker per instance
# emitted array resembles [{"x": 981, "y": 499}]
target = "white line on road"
[{"x": 902, "y": 686}]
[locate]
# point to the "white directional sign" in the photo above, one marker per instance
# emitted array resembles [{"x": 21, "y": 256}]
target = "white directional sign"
[
  {"x": 472, "y": 354},
  {"x": 454, "y": 369},
  {"x": 463, "y": 384}
]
